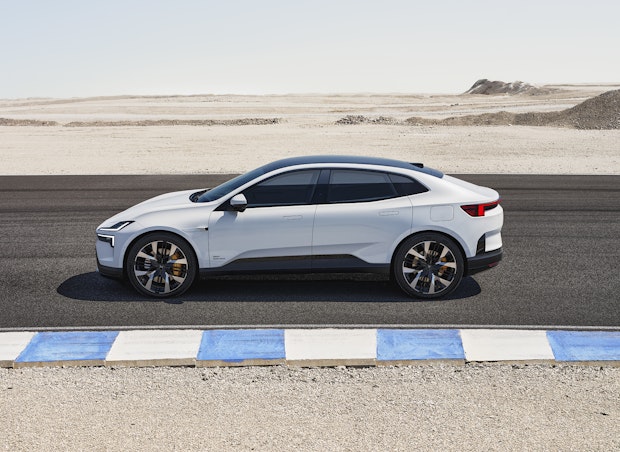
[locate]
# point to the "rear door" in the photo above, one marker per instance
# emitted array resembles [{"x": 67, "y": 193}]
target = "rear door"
[{"x": 362, "y": 216}]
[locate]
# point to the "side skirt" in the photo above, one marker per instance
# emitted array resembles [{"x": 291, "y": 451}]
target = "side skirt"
[{"x": 297, "y": 264}]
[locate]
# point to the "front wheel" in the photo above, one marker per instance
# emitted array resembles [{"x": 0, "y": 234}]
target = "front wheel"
[
  {"x": 428, "y": 265},
  {"x": 161, "y": 265}
]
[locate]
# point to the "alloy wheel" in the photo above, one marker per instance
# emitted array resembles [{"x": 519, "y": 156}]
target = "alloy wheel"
[
  {"x": 161, "y": 265},
  {"x": 428, "y": 266}
]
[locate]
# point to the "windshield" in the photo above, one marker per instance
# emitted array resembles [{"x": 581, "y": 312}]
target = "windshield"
[{"x": 233, "y": 184}]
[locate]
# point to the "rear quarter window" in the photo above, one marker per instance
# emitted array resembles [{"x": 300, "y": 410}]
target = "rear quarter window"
[{"x": 406, "y": 186}]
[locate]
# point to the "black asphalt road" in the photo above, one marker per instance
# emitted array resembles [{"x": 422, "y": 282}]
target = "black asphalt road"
[{"x": 561, "y": 264}]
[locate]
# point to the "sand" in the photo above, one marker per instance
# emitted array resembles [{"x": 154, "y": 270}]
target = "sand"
[
  {"x": 434, "y": 407},
  {"x": 239, "y": 133}
]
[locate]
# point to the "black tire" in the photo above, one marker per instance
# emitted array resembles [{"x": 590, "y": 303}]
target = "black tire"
[
  {"x": 428, "y": 265},
  {"x": 161, "y": 265}
]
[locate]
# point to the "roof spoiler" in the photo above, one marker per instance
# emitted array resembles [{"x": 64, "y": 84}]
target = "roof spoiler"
[{"x": 427, "y": 169}]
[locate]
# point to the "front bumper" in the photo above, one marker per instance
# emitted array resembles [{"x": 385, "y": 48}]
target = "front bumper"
[
  {"x": 110, "y": 272},
  {"x": 483, "y": 261}
]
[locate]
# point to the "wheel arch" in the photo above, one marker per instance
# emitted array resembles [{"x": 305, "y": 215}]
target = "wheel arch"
[{"x": 133, "y": 241}]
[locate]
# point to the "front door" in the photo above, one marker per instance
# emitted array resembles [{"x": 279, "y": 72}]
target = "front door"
[{"x": 275, "y": 230}]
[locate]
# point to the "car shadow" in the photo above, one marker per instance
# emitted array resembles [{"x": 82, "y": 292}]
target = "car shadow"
[{"x": 265, "y": 288}]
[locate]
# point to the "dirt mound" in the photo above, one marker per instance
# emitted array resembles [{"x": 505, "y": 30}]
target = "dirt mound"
[
  {"x": 146, "y": 123},
  {"x": 360, "y": 119},
  {"x": 486, "y": 86},
  {"x": 179, "y": 122},
  {"x": 600, "y": 112},
  {"x": 25, "y": 122}
]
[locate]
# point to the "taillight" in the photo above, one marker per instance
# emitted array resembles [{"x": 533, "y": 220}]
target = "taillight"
[{"x": 478, "y": 210}]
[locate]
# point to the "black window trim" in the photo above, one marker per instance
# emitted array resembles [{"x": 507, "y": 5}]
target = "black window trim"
[{"x": 320, "y": 191}]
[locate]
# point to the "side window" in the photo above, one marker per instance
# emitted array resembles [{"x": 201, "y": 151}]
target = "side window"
[
  {"x": 405, "y": 186},
  {"x": 288, "y": 189},
  {"x": 359, "y": 186}
]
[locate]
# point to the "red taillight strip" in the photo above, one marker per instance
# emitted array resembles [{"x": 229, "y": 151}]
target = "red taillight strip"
[{"x": 478, "y": 210}]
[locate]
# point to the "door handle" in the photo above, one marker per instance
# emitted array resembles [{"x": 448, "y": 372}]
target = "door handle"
[{"x": 293, "y": 217}]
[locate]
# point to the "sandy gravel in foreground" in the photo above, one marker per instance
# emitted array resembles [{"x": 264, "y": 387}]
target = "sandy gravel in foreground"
[{"x": 476, "y": 407}]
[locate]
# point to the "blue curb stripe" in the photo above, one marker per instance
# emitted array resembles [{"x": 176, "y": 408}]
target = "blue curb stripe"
[
  {"x": 69, "y": 346},
  {"x": 240, "y": 345},
  {"x": 402, "y": 345},
  {"x": 585, "y": 345}
]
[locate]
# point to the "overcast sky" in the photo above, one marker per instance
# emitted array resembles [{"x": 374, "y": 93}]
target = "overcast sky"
[{"x": 81, "y": 48}]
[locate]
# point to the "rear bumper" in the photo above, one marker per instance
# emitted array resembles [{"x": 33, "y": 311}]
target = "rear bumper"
[
  {"x": 483, "y": 261},
  {"x": 110, "y": 272}
]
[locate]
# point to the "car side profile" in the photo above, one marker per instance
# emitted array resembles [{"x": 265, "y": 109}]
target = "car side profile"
[{"x": 310, "y": 214}]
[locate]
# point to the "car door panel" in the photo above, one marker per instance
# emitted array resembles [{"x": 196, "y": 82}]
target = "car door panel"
[
  {"x": 366, "y": 231},
  {"x": 265, "y": 232},
  {"x": 275, "y": 225},
  {"x": 362, "y": 215}
]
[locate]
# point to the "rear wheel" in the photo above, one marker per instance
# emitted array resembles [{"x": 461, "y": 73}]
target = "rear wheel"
[
  {"x": 161, "y": 265},
  {"x": 428, "y": 265}
]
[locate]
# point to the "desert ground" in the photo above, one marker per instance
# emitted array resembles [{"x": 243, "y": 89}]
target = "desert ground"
[
  {"x": 233, "y": 133},
  {"x": 435, "y": 407}
]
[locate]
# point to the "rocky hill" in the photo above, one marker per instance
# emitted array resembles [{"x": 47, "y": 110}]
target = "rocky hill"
[{"x": 486, "y": 86}]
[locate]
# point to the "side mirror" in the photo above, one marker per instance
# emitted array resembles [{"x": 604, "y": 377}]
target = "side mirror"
[{"x": 238, "y": 202}]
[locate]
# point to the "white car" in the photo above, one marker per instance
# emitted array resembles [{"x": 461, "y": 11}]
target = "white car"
[{"x": 310, "y": 214}]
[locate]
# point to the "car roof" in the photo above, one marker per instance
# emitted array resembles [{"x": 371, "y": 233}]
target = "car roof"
[{"x": 305, "y": 160}]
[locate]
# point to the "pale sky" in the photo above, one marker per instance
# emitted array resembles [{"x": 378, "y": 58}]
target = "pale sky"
[{"x": 66, "y": 48}]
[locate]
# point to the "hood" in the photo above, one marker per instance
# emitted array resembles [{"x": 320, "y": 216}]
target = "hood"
[
  {"x": 174, "y": 199},
  {"x": 167, "y": 201}
]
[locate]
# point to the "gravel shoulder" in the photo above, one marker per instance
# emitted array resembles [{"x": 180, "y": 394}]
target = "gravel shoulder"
[{"x": 430, "y": 407}]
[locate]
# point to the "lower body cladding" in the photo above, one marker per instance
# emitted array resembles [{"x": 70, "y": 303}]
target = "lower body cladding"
[{"x": 333, "y": 264}]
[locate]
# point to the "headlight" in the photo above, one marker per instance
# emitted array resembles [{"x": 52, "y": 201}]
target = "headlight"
[
  {"x": 109, "y": 238},
  {"x": 106, "y": 238},
  {"x": 117, "y": 227}
]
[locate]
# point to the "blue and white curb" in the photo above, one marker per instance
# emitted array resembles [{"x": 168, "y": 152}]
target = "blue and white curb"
[{"x": 305, "y": 347}]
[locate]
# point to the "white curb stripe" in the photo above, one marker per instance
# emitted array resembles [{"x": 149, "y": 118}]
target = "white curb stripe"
[
  {"x": 12, "y": 344},
  {"x": 318, "y": 347},
  {"x": 506, "y": 345},
  {"x": 170, "y": 347}
]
